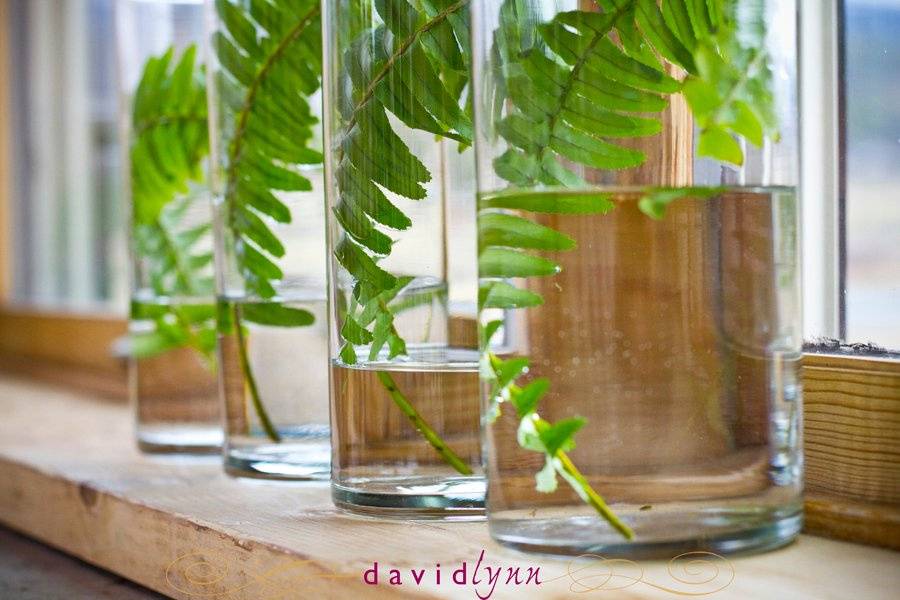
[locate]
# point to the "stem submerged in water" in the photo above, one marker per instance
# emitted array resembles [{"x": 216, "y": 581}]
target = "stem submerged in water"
[
  {"x": 593, "y": 498},
  {"x": 250, "y": 380},
  {"x": 421, "y": 426}
]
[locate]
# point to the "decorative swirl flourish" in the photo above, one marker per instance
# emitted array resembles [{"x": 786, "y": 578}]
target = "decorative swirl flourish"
[
  {"x": 701, "y": 574},
  {"x": 208, "y": 574}
]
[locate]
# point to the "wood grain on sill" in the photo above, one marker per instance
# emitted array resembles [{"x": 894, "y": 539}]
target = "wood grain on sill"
[
  {"x": 72, "y": 478},
  {"x": 852, "y": 448}
]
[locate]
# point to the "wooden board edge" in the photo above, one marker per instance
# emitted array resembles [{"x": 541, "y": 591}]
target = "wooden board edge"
[
  {"x": 161, "y": 550},
  {"x": 858, "y": 522}
]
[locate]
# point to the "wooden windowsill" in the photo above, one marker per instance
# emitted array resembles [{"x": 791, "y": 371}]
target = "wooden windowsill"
[
  {"x": 68, "y": 348},
  {"x": 71, "y": 477}
]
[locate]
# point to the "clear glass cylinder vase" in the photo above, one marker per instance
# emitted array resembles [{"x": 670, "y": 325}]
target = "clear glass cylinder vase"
[
  {"x": 639, "y": 275},
  {"x": 404, "y": 384},
  {"x": 265, "y": 70},
  {"x": 172, "y": 322}
]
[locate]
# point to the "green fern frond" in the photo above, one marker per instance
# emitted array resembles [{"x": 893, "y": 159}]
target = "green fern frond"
[
  {"x": 174, "y": 326},
  {"x": 731, "y": 96},
  {"x": 175, "y": 265},
  {"x": 271, "y": 56},
  {"x": 506, "y": 241},
  {"x": 552, "y": 440},
  {"x": 169, "y": 133},
  {"x": 575, "y": 92},
  {"x": 593, "y": 78},
  {"x": 168, "y": 145},
  {"x": 506, "y": 250},
  {"x": 414, "y": 66}
]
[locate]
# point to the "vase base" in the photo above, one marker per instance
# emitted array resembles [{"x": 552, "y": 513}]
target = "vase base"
[
  {"x": 419, "y": 498},
  {"x": 179, "y": 439},
  {"x": 662, "y": 536},
  {"x": 288, "y": 461}
]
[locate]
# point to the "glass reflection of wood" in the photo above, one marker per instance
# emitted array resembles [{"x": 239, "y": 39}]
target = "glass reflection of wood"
[
  {"x": 178, "y": 402},
  {"x": 373, "y": 437},
  {"x": 671, "y": 328}
]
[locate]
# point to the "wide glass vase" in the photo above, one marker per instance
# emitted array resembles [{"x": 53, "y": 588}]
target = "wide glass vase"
[
  {"x": 270, "y": 237},
  {"x": 639, "y": 274},
  {"x": 172, "y": 366},
  {"x": 404, "y": 383}
]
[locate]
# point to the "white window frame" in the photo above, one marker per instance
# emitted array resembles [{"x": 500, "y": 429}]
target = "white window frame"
[{"x": 822, "y": 170}]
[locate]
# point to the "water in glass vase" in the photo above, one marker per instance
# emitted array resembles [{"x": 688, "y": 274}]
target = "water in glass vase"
[
  {"x": 677, "y": 339},
  {"x": 172, "y": 374},
  {"x": 273, "y": 354},
  {"x": 406, "y": 435}
]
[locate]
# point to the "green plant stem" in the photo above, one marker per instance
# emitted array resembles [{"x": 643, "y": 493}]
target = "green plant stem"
[
  {"x": 593, "y": 498},
  {"x": 250, "y": 380},
  {"x": 419, "y": 423}
]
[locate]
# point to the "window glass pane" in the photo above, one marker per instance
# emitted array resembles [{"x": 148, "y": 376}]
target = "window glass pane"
[
  {"x": 68, "y": 247},
  {"x": 872, "y": 209}
]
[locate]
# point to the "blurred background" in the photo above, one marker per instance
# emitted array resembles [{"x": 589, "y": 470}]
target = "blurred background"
[
  {"x": 872, "y": 171},
  {"x": 62, "y": 238}
]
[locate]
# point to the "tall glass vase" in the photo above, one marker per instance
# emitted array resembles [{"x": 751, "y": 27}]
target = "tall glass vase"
[
  {"x": 172, "y": 327},
  {"x": 404, "y": 385},
  {"x": 638, "y": 262},
  {"x": 270, "y": 237}
]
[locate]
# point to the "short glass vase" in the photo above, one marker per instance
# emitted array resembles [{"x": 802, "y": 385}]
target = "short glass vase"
[{"x": 171, "y": 342}]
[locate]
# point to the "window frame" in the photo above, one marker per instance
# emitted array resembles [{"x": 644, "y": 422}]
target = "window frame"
[{"x": 822, "y": 169}]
